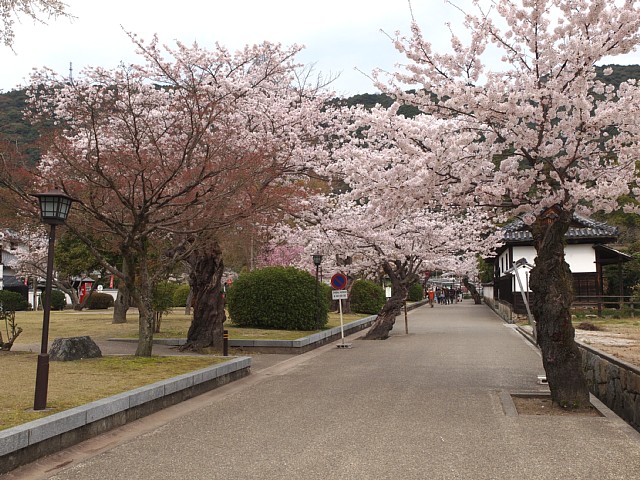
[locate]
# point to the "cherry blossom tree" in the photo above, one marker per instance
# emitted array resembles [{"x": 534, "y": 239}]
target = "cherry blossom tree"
[
  {"x": 551, "y": 136},
  {"x": 164, "y": 154},
  {"x": 10, "y": 10},
  {"x": 373, "y": 214},
  {"x": 399, "y": 247}
]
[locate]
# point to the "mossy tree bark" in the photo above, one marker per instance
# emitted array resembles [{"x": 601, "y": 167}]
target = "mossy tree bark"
[{"x": 551, "y": 284}]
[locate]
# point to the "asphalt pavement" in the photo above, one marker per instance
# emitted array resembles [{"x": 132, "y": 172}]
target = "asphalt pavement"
[{"x": 430, "y": 404}]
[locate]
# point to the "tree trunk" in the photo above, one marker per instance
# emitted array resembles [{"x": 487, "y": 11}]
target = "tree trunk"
[
  {"x": 144, "y": 298},
  {"x": 477, "y": 299},
  {"x": 157, "y": 322},
  {"x": 66, "y": 287},
  {"x": 385, "y": 320},
  {"x": 400, "y": 278},
  {"x": 205, "y": 278},
  {"x": 187, "y": 306},
  {"x": 122, "y": 303},
  {"x": 146, "y": 323},
  {"x": 120, "y": 307},
  {"x": 551, "y": 284}
]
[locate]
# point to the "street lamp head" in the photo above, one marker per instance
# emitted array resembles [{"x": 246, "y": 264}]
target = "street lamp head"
[
  {"x": 54, "y": 206},
  {"x": 317, "y": 259}
]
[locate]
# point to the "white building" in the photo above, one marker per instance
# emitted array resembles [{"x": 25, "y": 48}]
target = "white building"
[
  {"x": 585, "y": 253},
  {"x": 10, "y": 246}
]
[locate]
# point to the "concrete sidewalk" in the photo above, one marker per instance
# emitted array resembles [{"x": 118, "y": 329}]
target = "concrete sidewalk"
[{"x": 428, "y": 405}]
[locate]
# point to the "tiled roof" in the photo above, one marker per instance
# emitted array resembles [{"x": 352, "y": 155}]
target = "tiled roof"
[{"x": 581, "y": 228}]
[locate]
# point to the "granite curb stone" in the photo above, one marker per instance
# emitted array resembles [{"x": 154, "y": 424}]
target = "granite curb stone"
[{"x": 31, "y": 433}]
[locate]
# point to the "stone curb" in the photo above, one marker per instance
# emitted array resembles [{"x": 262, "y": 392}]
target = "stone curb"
[
  {"x": 56, "y": 431},
  {"x": 29, "y": 436},
  {"x": 313, "y": 341}
]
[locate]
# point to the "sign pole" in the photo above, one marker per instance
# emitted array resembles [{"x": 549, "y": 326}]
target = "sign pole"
[
  {"x": 341, "y": 322},
  {"x": 406, "y": 320},
  {"x": 338, "y": 281}
]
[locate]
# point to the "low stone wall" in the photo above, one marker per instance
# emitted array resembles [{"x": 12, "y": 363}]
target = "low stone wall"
[
  {"x": 503, "y": 309},
  {"x": 298, "y": 346},
  {"x": 614, "y": 382},
  {"x": 28, "y": 442}
]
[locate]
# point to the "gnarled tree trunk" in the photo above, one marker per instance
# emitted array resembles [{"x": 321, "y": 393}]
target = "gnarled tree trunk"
[
  {"x": 552, "y": 287},
  {"x": 400, "y": 278},
  {"x": 205, "y": 278},
  {"x": 386, "y": 319},
  {"x": 477, "y": 299}
]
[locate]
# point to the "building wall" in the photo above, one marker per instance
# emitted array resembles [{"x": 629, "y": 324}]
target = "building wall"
[{"x": 581, "y": 258}]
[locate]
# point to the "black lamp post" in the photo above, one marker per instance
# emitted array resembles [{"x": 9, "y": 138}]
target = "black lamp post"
[
  {"x": 54, "y": 208},
  {"x": 317, "y": 260}
]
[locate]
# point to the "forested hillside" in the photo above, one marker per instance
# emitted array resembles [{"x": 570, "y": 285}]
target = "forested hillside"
[
  {"x": 17, "y": 132},
  {"x": 14, "y": 129}
]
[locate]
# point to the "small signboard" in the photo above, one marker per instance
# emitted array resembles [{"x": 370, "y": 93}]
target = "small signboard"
[
  {"x": 339, "y": 281},
  {"x": 339, "y": 295}
]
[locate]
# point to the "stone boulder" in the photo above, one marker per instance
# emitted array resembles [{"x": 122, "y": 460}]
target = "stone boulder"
[{"x": 74, "y": 348}]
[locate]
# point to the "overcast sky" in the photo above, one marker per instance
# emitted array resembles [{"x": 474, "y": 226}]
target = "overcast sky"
[{"x": 338, "y": 35}]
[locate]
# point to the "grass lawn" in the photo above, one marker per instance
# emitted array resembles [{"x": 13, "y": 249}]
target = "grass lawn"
[
  {"x": 75, "y": 383},
  {"x": 79, "y": 382},
  {"x": 97, "y": 324}
]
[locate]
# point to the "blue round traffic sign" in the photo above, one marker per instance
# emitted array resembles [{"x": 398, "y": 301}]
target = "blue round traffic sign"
[{"x": 339, "y": 281}]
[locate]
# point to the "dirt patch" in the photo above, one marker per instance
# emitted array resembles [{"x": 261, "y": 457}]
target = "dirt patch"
[
  {"x": 542, "y": 405},
  {"x": 623, "y": 344}
]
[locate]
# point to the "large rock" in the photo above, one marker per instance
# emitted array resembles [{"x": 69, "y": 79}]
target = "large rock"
[{"x": 74, "y": 348}]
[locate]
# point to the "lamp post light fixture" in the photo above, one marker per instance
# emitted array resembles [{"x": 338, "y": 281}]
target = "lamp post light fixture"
[
  {"x": 317, "y": 260},
  {"x": 54, "y": 208}
]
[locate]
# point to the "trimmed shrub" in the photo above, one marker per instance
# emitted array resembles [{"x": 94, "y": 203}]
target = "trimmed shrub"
[
  {"x": 415, "y": 293},
  {"x": 180, "y": 295},
  {"x": 163, "y": 296},
  {"x": 278, "y": 298},
  {"x": 12, "y": 301},
  {"x": 58, "y": 300},
  {"x": 99, "y": 301},
  {"x": 367, "y": 297}
]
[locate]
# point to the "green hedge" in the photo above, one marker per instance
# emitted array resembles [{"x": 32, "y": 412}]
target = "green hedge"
[
  {"x": 278, "y": 298},
  {"x": 12, "y": 301},
  {"x": 367, "y": 297},
  {"x": 99, "y": 301},
  {"x": 415, "y": 293},
  {"x": 58, "y": 300},
  {"x": 180, "y": 295}
]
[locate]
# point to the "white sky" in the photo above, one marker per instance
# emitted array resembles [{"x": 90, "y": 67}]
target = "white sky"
[{"x": 339, "y": 35}]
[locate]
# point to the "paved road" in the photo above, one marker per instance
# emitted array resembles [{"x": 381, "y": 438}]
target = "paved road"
[{"x": 428, "y": 405}]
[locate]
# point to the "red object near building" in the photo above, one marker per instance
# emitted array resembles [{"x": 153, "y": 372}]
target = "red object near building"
[{"x": 85, "y": 288}]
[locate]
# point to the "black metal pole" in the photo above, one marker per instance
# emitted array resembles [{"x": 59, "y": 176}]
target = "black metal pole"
[
  {"x": 317, "y": 299},
  {"x": 225, "y": 343},
  {"x": 42, "y": 372}
]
